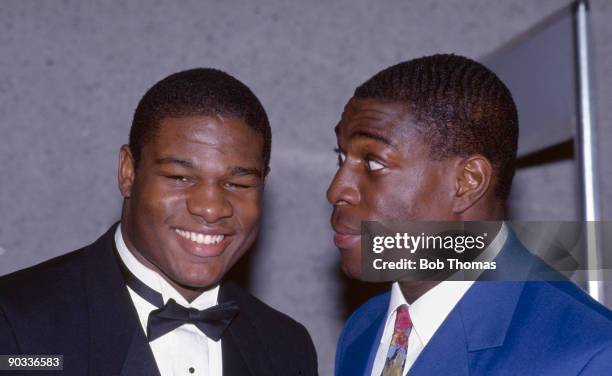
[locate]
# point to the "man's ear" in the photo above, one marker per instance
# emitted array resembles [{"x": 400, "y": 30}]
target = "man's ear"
[
  {"x": 474, "y": 176},
  {"x": 126, "y": 171}
]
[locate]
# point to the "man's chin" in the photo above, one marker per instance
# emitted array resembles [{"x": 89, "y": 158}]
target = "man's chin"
[
  {"x": 352, "y": 271},
  {"x": 199, "y": 282},
  {"x": 350, "y": 263},
  {"x": 199, "y": 286}
]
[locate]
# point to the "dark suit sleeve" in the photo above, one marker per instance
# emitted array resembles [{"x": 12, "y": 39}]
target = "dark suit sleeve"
[
  {"x": 308, "y": 354},
  {"x": 8, "y": 342},
  {"x": 599, "y": 364}
]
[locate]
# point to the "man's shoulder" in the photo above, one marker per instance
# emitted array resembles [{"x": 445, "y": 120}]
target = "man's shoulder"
[
  {"x": 260, "y": 313},
  {"x": 554, "y": 304},
  {"x": 369, "y": 311},
  {"x": 40, "y": 280},
  {"x": 362, "y": 319},
  {"x": 561, "y": 313},
  {"x": 572, "y": 303},
  {"x": 278, "y": 333},
  {"x": 59, "y": 279},
  {"x": 553, "y": 328},
  {"x": 363, "y": 323},
  {"x": 44, "y": 306}
]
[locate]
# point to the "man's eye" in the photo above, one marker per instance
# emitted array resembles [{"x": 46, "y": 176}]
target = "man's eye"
[
  {"x": 179, "y": 179},
  {"x": 374, "y": 166},
  {"x": 229, "y": 184}
]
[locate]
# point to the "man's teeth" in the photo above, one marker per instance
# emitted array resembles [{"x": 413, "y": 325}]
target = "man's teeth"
[{"x": 200, "y": 238}]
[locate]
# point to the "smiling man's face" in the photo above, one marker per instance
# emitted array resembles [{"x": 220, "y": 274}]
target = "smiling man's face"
[
  {"x": 385, "y": 173},
  {"x": 193, "y": 203}
]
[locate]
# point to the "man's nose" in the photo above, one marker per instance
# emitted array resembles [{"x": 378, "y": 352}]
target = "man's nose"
[
  {"x": 343, "y": 189},
  {"x": 209, "y": 202}
]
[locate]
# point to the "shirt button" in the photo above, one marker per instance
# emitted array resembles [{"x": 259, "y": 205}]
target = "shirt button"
[{"x": 191, "y": 370}]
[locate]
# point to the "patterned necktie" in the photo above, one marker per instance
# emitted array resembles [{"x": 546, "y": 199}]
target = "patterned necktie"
[{"x": 396, "y": 355}]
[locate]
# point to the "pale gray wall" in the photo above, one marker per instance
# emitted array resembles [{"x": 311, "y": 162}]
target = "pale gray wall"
[{"x": 71, "y": 73}]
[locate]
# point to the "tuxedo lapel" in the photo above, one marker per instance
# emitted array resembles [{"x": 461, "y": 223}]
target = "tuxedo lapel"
[
  {"x": 233, "y": 361},
  {"x": 139, "y": 359},
  {"x": 243, "y": 351},
  {"x": 113, "y": 321}
]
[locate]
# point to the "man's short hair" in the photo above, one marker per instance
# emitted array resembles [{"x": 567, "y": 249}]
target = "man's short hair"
[
  {"x": 460, "y": 107},
  {"x": 195, "y": 92}
]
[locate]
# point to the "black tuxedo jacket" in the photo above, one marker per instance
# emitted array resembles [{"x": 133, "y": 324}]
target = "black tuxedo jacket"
[{"x": 77, "y": 305}]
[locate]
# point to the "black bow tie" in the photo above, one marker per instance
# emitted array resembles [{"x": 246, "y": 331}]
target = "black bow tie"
[{"x": 212, "y": 321}]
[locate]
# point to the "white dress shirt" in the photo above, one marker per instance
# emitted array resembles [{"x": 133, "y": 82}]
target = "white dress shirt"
[
  {"x": 185, "y": 350},
  {"x": 429, "y": 311}
]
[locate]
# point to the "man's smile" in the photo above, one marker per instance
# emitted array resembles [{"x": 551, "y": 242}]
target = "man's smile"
[
  {"x": 208, "y": 243},
  {"x": 199, "y": 237}
]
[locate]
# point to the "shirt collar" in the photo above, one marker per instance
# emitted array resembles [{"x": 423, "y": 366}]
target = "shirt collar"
[
  {"x": 488, "y": 255},
  {"x": 430, "y": 310},
  {"x": 157, "y": 282}
]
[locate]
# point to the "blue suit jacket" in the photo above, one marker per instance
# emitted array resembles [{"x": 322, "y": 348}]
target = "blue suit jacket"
[{"x": 498, "y": 328}]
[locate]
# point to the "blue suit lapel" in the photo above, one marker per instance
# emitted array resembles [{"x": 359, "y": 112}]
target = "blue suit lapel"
[
  {"x": 361, "y": 337},
  {"x": 481, "y": 319},
  {"x": 359, "y": 356},
  {"x": 446, "y": 353},
  {"x": 487, "y": 310},
  {"x": 488, "y": 307}
]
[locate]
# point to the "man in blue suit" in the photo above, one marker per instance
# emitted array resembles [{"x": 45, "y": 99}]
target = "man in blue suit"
[{"x": 435, "y": 138}]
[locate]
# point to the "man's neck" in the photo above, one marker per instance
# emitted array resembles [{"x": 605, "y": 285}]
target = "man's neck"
[{"x": 412, "y": 290}]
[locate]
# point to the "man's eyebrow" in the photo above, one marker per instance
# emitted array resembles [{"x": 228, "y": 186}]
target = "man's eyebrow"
[
  {"x": 373, "y": 136},
  {"x": 178, "y": 161},
  {"x": 242, "y": 171}
]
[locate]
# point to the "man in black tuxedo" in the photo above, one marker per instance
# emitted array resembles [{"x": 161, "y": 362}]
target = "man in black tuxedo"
[{"x": 149, "y": 297}]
